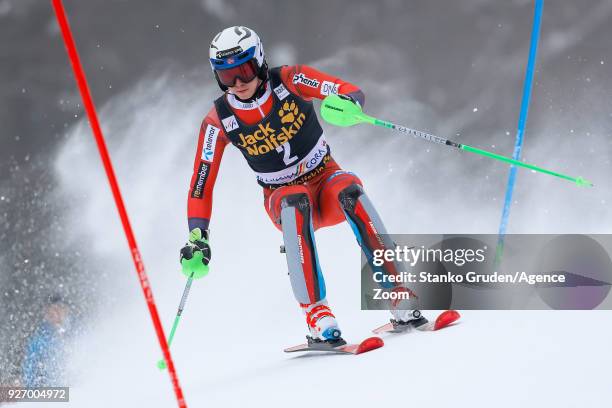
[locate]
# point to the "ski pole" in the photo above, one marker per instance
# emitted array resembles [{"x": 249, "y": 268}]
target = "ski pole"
[
  {"x": 520, "y": 131},
  {"x": 161, "y": 364},
  {"x": 342, "y": 112}
]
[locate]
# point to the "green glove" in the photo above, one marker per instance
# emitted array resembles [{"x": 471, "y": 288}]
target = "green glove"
[{"x": 195, "y": 255}]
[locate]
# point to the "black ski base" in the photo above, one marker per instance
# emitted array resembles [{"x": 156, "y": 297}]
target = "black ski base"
[
  {"x": 324, "y": 345},
  {"x": 313, "y": 344}
]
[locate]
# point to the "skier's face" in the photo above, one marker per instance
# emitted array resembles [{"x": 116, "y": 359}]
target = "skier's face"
[
  {"x": 245, "y": 90},
  {"x": 56, "y": 314}
]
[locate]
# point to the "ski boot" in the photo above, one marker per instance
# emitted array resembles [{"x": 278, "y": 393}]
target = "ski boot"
[
  {"x": 322, "y": 324},
  {"x": 404, "y": 315},
  {"x": 405, "y": 319}
]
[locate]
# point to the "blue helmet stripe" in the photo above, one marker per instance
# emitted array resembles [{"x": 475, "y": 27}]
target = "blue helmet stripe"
[{"x": 223, "y": 64}]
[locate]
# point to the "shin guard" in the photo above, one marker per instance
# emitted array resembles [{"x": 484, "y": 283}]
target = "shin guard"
[
  {"x": 302, "y": 260},
  {"x": 367, "y": 226}
]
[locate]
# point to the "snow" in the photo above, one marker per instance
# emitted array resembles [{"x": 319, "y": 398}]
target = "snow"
[
  {"x": 228, "y": 347},
  {"x": 526, "y": 358}
]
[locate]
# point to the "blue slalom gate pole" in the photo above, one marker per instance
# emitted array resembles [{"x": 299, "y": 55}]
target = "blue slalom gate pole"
[{"x": 518, "y": 144}]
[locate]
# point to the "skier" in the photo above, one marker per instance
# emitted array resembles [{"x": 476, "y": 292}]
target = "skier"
[{"x": 269, "y": 116}]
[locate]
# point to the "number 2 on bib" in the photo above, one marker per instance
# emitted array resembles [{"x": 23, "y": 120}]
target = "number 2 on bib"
[{"x": 286, "y": 147}]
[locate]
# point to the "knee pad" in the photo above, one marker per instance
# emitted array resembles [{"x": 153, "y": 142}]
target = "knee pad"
[{"x": 349, "y": 195}]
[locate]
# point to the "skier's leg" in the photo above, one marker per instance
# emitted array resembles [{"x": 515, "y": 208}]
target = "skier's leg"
[
  {"x": 290, "y": 208},
  {"x": 343, "y": 195},
  {"x": 345, "y": 191}
]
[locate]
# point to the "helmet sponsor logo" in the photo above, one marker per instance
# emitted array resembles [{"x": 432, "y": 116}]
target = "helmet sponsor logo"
[
  {"x": 230, "y": 123},
  {"x": 329, "y": 88},
  {"x": 304, "y": 80},
  {"x": 197, "y": 191},
  {"x": 267, "y": 139},
  {"x": 229, "y": 52},
  {"x": 210, "y": 140}
]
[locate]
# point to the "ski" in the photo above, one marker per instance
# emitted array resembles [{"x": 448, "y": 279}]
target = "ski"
[
  {"x": 443, "y": 320},
  {"x": 339, "y": 346}
]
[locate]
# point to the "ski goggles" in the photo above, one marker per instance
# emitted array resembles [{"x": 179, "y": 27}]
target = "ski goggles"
[{"x": 246, "y": 72}]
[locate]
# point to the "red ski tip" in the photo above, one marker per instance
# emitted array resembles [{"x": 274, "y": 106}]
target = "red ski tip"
[
  {"x": 370, "y": 344},
  {"x": 446, "y": 318}
]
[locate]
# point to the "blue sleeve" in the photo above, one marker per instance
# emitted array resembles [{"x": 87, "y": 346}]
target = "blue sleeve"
[{"x": 195, "y": 222}]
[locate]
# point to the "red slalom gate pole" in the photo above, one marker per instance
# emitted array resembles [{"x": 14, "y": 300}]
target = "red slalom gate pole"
[{"x": 112, "y": 180}]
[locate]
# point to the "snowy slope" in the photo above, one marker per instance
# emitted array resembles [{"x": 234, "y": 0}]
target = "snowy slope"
[{"x": 228, "y": 349}]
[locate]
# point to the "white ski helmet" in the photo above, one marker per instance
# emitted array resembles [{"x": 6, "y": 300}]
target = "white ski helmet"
[{"x": 233, "y": 47}]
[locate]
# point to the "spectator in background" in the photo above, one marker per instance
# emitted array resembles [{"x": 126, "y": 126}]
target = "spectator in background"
[{"x": 44, "y": 353}]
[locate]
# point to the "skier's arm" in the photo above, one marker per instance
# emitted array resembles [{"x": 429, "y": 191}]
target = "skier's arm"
[
  {"x": 211, "y": 144},
  {"x": 310, "y": 83}
]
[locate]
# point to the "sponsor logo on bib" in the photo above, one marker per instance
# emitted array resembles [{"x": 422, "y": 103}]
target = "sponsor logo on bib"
[
  {"x": 266, "y": 139},
  {"x": 230, "y": 123},
  {"x": 281, "y": 92}
]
